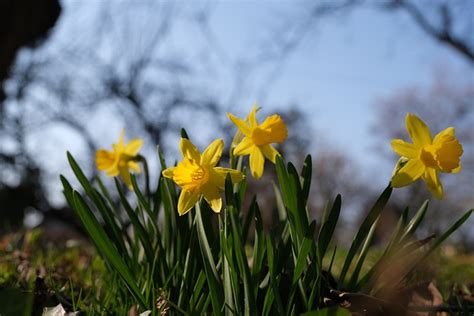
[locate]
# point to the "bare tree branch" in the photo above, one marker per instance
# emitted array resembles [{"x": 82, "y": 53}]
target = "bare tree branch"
[{"x": 444, "y": 33}]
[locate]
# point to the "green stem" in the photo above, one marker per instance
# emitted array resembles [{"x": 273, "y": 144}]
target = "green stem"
[{"x": 142, "y": 159}]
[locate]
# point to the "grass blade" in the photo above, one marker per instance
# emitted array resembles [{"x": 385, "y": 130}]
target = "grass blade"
[
  {"x": 306, "y": 175},
  {"x": 328, "y": 227},
  {"x": 361, "y": 259},
  {"x": 301, "y": 260},
  {"x": 137, "y": 225},
  {"x": 105, "y": 246},
  {"x": 363, "y": 232},
  {"x": 215, "y": 288},
  {"x": 415, "y": 221}
]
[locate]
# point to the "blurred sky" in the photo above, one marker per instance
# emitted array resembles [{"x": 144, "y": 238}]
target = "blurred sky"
[
  {"x": 335, "y": 74},
  {"x": 340, "y": 69}
]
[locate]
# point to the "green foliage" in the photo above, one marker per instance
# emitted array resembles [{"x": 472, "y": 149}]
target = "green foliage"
[{"x": 198, "y": 263}]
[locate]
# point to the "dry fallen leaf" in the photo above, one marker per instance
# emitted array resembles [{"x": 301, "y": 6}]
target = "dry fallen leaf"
[
  {"x": 54, "y": 311},
  {"x": 426, "y": 295}
]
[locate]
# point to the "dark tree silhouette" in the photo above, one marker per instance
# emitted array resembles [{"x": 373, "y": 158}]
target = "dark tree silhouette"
[
  {"x": 23, "y": 23},
  {"x": 443, "y": 26},
  {"x": 107, "y": 60}
]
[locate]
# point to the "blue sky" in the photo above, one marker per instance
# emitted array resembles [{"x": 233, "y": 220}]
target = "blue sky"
[
  {"x": 335, "y": 74},
  {"x": 339, "y": 70}
]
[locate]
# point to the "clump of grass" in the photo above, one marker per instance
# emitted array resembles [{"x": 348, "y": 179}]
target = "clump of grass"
[{"x": 198, "y": 263}]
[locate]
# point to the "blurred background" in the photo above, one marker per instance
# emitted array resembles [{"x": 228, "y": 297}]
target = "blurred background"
[{"x": 343, "y": 74}]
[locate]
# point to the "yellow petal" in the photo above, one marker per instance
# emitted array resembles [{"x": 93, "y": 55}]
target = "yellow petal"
[
  {"x": 450, "y": 131},
  {"x": 119, "y": 146},
  {"x": 189, "y": 150},
  {"x": 272, "y": 130},
  {"x": 121, "y": 137},
  {"x": 456, "y": 170},
  {"x": 104, "y": 159},
  {"x": 241, "y": 125},
  {"x": 257, "y": 162},
  {"x": 134, "y": 146},
  {"x": 221, "y": 174},
  {"x": 212, "y": 154},
  {"x": 409, "y": 173},
  {"x": 186, "y": 201},
  {"x": 269, "y": 152},
  {"x": 213, "y": 197},
  {"x": 113, "y": 171},
  {"x": 168, "y": 172},
  {"x": 252, "y": 117},
  {"x": 418, "y": 130},
  {"x": 125, "y": 175},
  {"x": 133, "y": 165},
  {"x": 237, "y": 138},
  {"x": 432, "y": 181},
  {"x": 405, "y": 149},
  {"x": 244, "y": 147}
]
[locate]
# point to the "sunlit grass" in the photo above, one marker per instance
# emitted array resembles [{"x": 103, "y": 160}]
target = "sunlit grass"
[{"x": 187, "y": 250}]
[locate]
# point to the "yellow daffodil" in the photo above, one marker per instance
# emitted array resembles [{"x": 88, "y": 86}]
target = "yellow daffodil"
[
  {"x": 121, "y": 159},
  {"x": 257, "y": 139},
  {"x": 426, "y": 156},
  {"x": 198, "y": 175}
]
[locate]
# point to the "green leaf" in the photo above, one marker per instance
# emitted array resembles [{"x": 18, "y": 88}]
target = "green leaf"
[
  {"x": 228, "y": 293},
  {"x": 362, "y": 256},
  {"x": 197, "y": 292},
  {"x": 141, "y": 198},
  {"x": 392, "y": 245},
  {"x": 169, "y": 221},
  {"x": 259, "y": 243},
  {"x": 268, "y": 302},
  {"x": 328, "y": 227},
  {"x": 280, "y": 205},
  {"x": 105, "y": 246},
  {"x": 249, "y": 299},
  {"x": 137, "y": 225},
  {"x": 229, "y": 191},
  {"x": 398, "y": 231},
  {"x": 446, "y": 234},
  {"x": 242, "y": 188},
  {"x": 184, "y": 134},
  {"x": 302, "y": 258},
  {"x": 283, "y": 180},
  {"x": 364, "y": 231},
  {"x": 306, "y": 175},
  {"x": 415, "y": 221},
  {"x": 215, "y": 287},
  {"x": 248, "y": 219},
  {"x": 274, "y": 276},
  {"x": 188, "y": 262},
  {"x": 110, "y": 225},
  {"x": 299, "y": 206}
]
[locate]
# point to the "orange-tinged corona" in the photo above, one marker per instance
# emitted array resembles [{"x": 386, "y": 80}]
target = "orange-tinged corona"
[{"x": 197, "y": 175}]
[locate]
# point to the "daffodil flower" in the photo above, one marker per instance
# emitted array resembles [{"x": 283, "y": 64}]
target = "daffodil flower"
[
  {"x": 426, "y": 156},
  {"x": 121, "y": 159},
  {"x": 198, "y": 175},
  {"x": 257, "y": 139}
]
